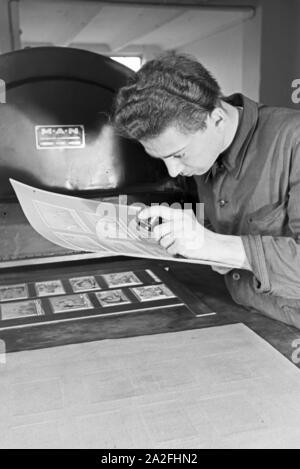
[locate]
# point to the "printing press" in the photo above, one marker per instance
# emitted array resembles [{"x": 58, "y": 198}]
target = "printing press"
[{"x": 52, "y": 136}]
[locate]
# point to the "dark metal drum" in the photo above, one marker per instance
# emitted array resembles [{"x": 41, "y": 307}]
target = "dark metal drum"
[
  {"x": 55, "y": 135},
  {"x": 54, "y": 127}
]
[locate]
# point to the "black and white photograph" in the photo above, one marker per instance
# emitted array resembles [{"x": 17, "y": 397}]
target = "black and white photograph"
[
  {"x": 149, "y": 228},
  {"x": 121, "y": 279},
  {"x": 21, "y": 309},
  {"x": 67, "y": 303},
  {"x": 13, "y": 292},
  {"x": 50, "y": 287},
  {"x": 112, "y": 298},
  {"x": 86, "y": 283},
  {"x": 152, "y": 292}
]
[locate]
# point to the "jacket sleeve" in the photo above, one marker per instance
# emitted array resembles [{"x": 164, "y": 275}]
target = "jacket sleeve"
[{"x": 275, "y": 260}]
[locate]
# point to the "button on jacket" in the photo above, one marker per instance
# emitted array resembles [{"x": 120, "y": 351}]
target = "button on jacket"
[{"x": 253, "y": 190}]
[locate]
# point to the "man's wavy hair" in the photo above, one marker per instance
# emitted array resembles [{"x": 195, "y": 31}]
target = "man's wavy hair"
[{"x": 171, "y": 89}]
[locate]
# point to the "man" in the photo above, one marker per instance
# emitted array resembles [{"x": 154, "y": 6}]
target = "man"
[{"x": 245, "y": 158}]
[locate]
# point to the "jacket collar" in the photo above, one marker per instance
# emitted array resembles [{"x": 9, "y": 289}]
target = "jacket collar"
[{"x": 233, "y": 157}]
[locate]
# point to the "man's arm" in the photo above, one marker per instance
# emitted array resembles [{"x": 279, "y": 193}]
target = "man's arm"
[
  {"x": 180, "y": 233},
  {"x": 232, "y": 251},
  {"x": 275, "y": 260}
]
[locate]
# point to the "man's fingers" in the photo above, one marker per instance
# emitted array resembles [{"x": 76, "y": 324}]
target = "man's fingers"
[
  {"x": 167, "y": 241},
  {"x": 166, "y": 213},
  {"x": 172, "y": 250},
  {"x": 161, "y": 230}
]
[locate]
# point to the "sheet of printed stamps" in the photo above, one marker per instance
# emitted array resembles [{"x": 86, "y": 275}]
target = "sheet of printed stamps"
[
  {"x": 21, "y": 309},
  {"x": 112, "y": 298},
  {"x": 49, "y": 287},
  {"x": 153, "y": 292},
  {"x": 86, "y": 283},
  {"x": 67, "y": 303},
  {"x": 121, "y": 279},
  {"x": 13, "y": 292},
  {"x": 60, "y": 218},
  {"x": 82, "y": 242}
]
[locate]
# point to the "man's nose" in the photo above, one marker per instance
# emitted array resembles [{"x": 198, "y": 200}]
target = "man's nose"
[{"x": 174, "y": 167}]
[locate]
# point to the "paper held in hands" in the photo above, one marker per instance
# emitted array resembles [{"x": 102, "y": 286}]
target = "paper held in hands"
[{"x": 107, "y": 228}]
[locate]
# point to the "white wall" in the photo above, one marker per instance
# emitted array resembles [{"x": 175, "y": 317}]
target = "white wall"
[
  {"x": 233, "y": 56},
  {"x": 222, "y": 55},
  {"x": 260, "y": 57}
]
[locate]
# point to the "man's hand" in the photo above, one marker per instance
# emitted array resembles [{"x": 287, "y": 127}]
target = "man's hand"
[{"x": 181, "y": 234}]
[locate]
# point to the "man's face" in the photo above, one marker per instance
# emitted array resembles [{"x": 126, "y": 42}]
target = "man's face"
[{"x": 188, "y": 154}]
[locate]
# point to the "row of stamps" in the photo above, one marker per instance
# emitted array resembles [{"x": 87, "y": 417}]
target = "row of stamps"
[
  {"x": 76, "y": 302},
  {"x": 78, "y": 284}
]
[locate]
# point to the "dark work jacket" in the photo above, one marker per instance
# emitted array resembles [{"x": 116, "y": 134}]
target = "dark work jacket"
[{"x": 253, "y": 190}]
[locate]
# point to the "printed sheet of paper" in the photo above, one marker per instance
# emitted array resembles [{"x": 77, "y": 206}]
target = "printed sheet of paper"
[{"x": 71, "y": 223}]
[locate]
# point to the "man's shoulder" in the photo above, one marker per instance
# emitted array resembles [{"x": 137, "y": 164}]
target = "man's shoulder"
[
  {"x": 273, "y": 115},
  {"x": 280, "y": 119},
  {"x": 279, "y": 112}
]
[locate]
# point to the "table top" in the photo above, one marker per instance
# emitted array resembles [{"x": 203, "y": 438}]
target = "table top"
[
  {"x": 207, "y": 287},
  {"x": 210, "y": 287},
  {"x": 217, "y": 387}
]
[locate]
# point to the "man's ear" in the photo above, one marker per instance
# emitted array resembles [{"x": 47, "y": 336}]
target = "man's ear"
[{"x": 218, "y": 117}]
